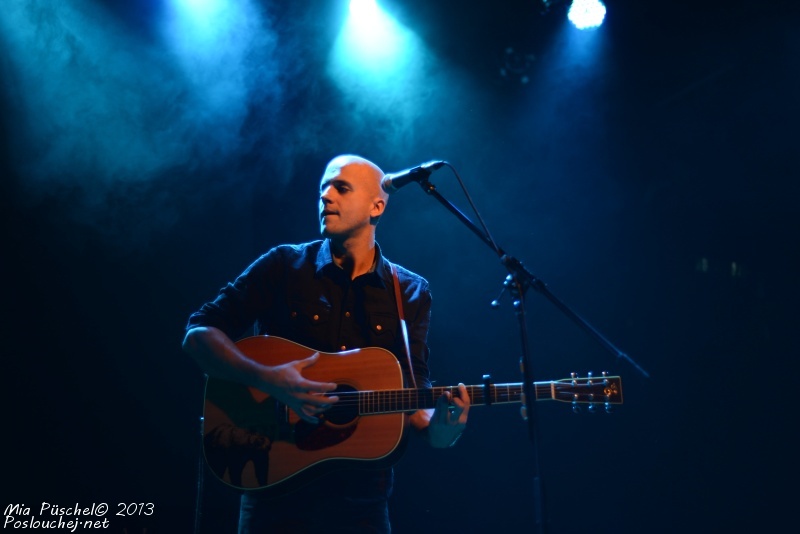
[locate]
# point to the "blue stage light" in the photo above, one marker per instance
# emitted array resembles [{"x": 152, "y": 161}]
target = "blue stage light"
[
  {"x": 370, "y": 36},
  {"x": 587, "y": 14},
  {"x": 364, "y": 10},
  {"x": 371, "y": 40},
  {"x": 200, "y": 10}
]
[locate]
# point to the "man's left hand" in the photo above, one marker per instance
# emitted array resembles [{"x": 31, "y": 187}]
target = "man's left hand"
[{"x": 449, "y": 418}]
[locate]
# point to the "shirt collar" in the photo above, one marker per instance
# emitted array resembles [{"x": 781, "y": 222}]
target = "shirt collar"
[{"x": 381, "y": 274}]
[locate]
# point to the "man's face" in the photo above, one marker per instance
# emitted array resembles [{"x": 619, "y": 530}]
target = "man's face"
[{"x": 349, "y": 200}]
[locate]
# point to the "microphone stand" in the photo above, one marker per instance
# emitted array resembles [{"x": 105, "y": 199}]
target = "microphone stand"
[{"x": 518, "y": 281}]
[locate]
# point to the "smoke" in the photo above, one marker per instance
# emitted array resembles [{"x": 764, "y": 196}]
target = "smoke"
[
  {"x": 112, "y": 123},
  {"x": 100, "y": 112}
]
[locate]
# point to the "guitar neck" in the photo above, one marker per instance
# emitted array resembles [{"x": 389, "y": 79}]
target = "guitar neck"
[
  {"x": 404, "y": 400},
  {"x": 604, "y": 390}
]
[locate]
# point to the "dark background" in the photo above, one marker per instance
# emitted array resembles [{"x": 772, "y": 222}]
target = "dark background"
[{"x": 651, "y": 183}]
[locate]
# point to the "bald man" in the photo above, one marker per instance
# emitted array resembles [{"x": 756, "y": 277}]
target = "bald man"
[{"x": 331, "y": 295}]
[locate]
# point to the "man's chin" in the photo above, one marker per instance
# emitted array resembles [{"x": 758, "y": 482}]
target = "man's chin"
[{"x": 327, "y": 233}]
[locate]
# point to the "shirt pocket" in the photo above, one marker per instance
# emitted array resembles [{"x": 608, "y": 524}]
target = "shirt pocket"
[{"x": 383, "y": 328}]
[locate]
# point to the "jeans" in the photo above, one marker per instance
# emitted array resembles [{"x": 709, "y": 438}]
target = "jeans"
[{"x": 320, "y": 508}]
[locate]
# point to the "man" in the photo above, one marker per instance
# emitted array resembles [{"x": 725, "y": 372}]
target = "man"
[{"x": 330, "y": 295}]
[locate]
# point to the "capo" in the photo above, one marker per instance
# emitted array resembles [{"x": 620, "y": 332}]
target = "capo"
[{"x": 487, "y": 389}]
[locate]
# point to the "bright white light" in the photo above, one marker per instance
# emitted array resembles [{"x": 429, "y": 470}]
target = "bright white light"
[
  {"x": 370, "y": 37},
  {"x": 380, "y": 66},
  {"x": 587, "y": 14},
  {"x": 364, "y": 10},
  {"x": 201, "y": 11}
]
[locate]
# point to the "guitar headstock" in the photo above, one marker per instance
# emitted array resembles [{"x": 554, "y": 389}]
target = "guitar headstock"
[{"x": 595, "y": 391}]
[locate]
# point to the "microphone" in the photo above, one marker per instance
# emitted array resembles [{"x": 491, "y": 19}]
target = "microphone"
[{"x": 392, "y": 182}]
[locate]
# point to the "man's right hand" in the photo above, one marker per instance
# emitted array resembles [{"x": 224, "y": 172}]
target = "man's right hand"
[
  {"x": 220, "y": 357},
  {"x": 306, "y": 398}
]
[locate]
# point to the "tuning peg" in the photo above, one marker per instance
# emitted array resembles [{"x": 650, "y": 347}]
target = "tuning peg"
[
  {"x": 608, "y": 408},
  {"x": 576, "y": 408},
  {"x": 605, "y": 377},
  {"x": 591, "y": 408}
]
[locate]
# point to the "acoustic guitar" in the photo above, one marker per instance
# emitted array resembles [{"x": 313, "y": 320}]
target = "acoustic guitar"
[{"x": 251, "y": 441}]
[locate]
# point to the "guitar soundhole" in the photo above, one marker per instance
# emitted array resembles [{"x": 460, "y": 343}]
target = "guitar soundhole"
[
  {"x": 336, "y": 426},
  {"x": 346, "y": 409}
]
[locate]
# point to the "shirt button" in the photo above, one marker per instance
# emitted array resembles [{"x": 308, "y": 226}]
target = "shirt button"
[
  {"x": 378, "y": 328},
  {"x": 294, "y": 314},
  {"x": 347, "y": 314},
  {"x": 316, "y": 317},
  {"x": 343, "y": 347}
]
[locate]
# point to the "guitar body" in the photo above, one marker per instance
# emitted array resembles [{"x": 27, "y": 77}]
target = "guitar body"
[{"x": 251, "y": 441}]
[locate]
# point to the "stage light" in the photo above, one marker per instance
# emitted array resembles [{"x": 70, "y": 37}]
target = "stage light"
[
  {"x": 371, "y": 39},
  {"x": 380, "y": 66},
  {"x": 199, "y": 23},
  {"x": 200, "y": 11},
  {"x": 364, "y": 10},
  {"x": 586, "y": 14}
]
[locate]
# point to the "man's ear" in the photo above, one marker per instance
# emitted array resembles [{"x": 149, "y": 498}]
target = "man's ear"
[{"x": 378, "y": 206}]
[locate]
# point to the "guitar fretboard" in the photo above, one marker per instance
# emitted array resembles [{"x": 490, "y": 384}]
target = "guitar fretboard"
[
  {"x": 605, "y": 389},
  {"x": 406, "y": 400}
]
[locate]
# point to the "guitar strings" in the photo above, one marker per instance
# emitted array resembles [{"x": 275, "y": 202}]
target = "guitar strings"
[
  {"x": 387, "y": 401},
  {"x": 428, "y": 397}
]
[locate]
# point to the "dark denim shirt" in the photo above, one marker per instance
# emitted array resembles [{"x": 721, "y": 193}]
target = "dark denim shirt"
[{"x": 297, "y": 292}]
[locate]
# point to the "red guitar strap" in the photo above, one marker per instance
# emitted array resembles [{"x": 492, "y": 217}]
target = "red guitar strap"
[{"x": 398, "y": 297}]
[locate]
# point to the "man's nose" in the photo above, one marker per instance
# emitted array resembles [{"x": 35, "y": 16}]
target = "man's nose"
[{"x": 324, "y": 195}]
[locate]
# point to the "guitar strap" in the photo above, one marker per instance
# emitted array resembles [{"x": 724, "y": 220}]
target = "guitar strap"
[{"x": 398, "y": 297}]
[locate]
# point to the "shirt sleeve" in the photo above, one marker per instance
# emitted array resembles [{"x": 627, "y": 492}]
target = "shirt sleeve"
[{"x": 239, "y": 304}]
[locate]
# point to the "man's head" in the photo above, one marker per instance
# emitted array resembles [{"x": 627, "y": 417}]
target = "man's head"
[{"x": 351, "y": 198}]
